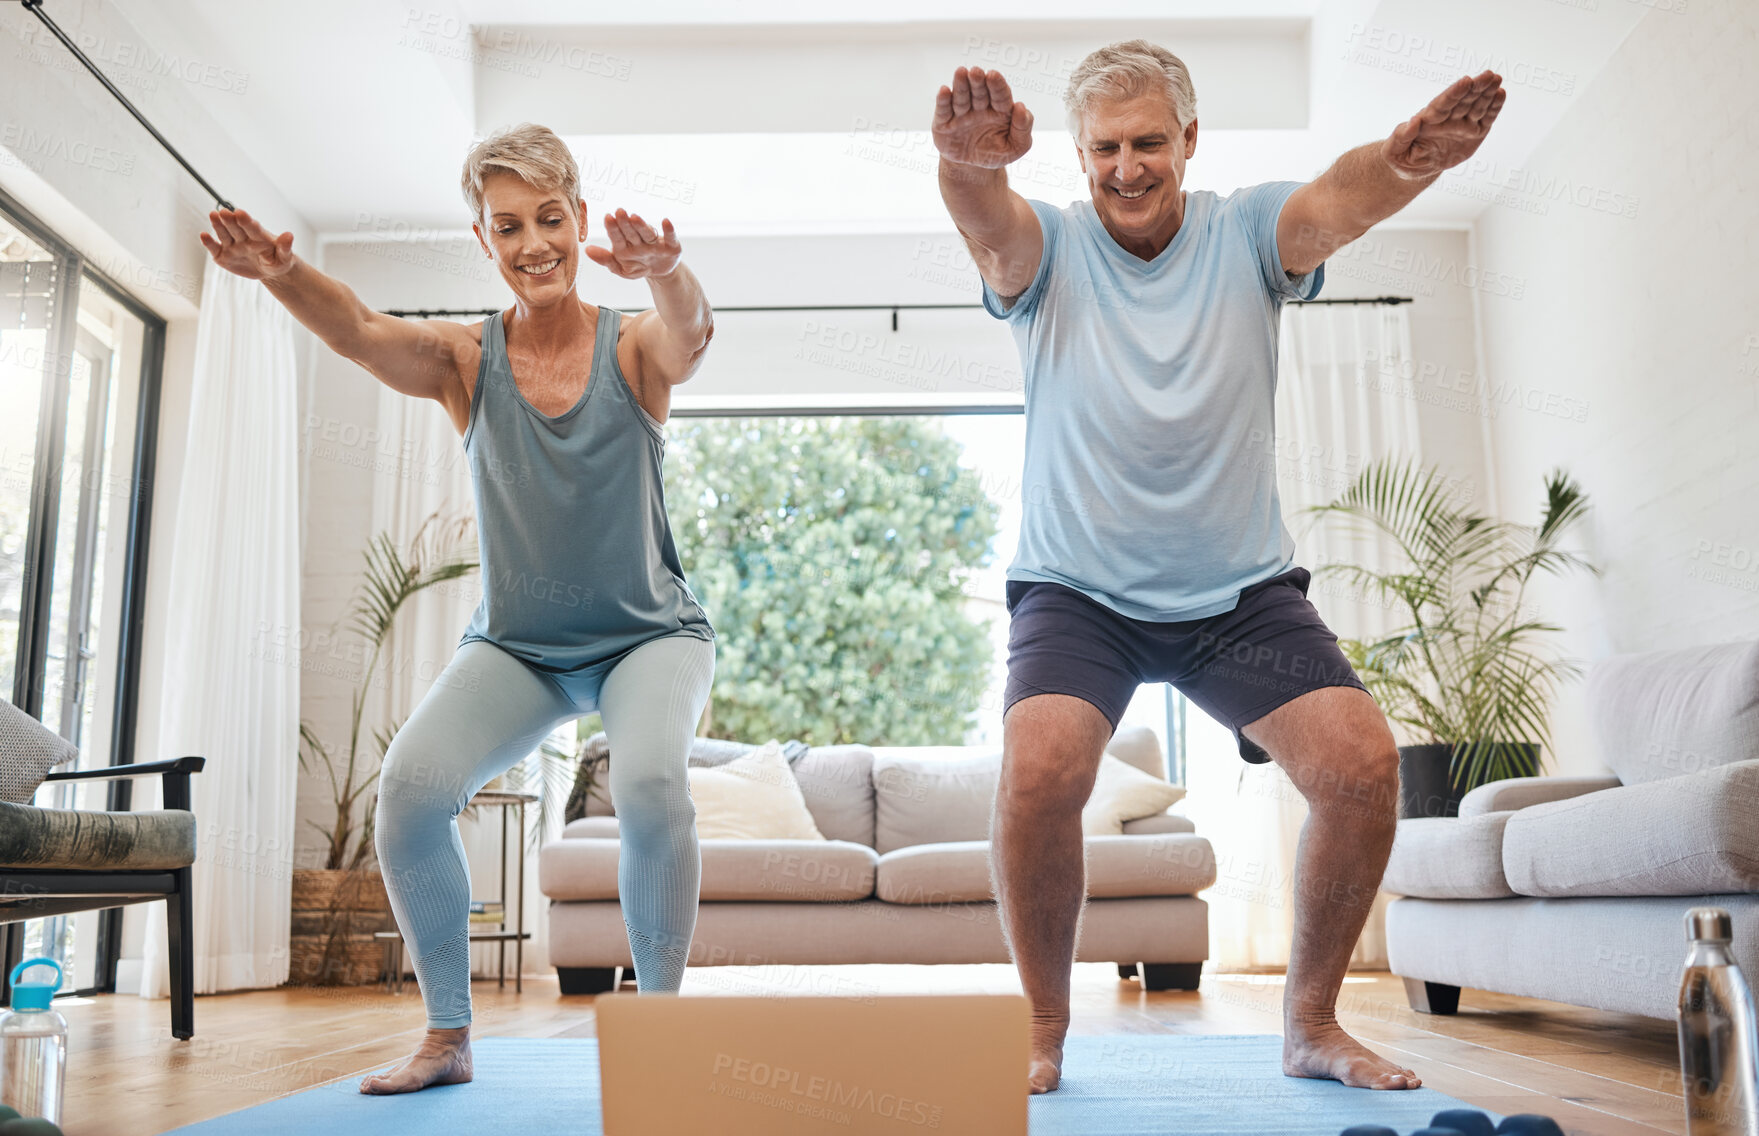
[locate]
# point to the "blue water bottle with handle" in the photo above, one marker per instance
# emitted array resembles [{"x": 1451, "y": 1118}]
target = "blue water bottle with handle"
[{"x": 33, "y": 1046}]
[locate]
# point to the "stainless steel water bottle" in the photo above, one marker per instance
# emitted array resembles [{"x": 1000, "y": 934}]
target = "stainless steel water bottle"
[{"x": 1716, "y": 1033}]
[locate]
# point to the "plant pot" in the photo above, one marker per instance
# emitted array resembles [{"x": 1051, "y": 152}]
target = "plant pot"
[
  {"x": 335, "y": 913},
  {"x": 1426, "y": 788}
]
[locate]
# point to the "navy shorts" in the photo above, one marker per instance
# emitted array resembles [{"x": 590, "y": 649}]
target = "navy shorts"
[{"x": 1236, "y": 666}]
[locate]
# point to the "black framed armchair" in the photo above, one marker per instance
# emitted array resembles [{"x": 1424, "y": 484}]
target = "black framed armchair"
[{"x": 57, "y": 861}]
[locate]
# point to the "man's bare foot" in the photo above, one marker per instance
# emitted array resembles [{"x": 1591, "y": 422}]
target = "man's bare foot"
[
  {"x": 1327, "y": 1052},
  {"x": 1044, "y": 1062},
  {"x": 443, "y": 1058}
]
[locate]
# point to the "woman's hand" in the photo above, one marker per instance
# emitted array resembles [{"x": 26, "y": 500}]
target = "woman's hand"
[
  {"x": 636, "y": 250},
  {"x": 243, "y": 247}
]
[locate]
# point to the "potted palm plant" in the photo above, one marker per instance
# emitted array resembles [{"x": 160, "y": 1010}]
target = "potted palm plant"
[{"x": 1466, "y": 671}]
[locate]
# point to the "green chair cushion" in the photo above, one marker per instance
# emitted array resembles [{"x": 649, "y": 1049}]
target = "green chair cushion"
[{"x": 79, "y": 839}]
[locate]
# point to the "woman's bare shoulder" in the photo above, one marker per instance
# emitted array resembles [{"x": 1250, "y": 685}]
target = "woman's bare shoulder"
[{"x": 467, "y": 347}]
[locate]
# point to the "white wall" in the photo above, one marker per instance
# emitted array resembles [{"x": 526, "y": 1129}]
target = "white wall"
[
  {"x": 1642, "y": 305},
  {"x": 76, "y": 158}
]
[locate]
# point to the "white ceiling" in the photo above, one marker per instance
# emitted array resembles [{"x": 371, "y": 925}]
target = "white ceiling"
[{"x": 773, "y": 116}]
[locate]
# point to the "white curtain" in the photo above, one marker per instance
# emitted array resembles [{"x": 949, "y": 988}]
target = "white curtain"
[
  {"x": 1341, "y": 402},
  {"x": 231, "y": 692},
  {"x": 426, "y": 472}
]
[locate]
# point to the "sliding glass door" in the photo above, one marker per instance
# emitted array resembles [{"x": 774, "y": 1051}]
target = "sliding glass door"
[{"x": 79, "y": 363}]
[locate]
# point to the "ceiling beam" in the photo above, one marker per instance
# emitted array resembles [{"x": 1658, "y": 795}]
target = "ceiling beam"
[{"x": 795, "y": 78}]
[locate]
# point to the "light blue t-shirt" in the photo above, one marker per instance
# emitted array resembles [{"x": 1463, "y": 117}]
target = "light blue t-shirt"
[{"x": 1150, "y": 478}]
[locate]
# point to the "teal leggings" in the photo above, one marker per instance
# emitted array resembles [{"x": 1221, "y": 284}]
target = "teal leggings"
[{"x": 486, "y": 712}]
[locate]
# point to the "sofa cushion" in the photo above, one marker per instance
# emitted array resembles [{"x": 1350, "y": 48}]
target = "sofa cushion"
[
  {"x": 1123, "y": 793},
  {"x": 1519, "y": 792},
  {"x": 754, "y": 797},
  {"x": 837, "y": 784},
  {"x": 1659, "y": 714},
  {"x": 1449, "y": 858},
  {"x": 1159, "y": 822},
  {"x": 75, "y": 838},
  {"x": 1691, "y": 835},
  {"x": 926, "y": 801},
  {"x": 782, "y": 871},
  {"x": 592, "y": 827},
  {"x": 707, "y": 753},
  {"x": 28, "y": 750},
  {"x": 1117, "y": 866},
  {"x": 942, "y": 794}
]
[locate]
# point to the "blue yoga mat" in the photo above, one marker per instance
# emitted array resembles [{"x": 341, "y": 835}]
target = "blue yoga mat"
[{"x": 1123, "y": 1085}]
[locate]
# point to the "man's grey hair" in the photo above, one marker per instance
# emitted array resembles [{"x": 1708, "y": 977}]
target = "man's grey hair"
[{"x": 1125, "y": 70}]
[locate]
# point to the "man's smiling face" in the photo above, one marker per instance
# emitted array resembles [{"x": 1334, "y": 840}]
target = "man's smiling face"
[{"x": 1133, "y": 154}]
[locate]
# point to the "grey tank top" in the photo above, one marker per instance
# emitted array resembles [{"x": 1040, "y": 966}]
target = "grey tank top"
[{"x": 578, "y": 564}]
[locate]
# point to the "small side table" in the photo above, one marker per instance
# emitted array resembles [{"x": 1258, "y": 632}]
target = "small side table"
[{"x": 393, "y": 941}]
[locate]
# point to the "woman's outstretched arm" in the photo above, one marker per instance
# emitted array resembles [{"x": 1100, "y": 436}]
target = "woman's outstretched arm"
[
  {"x": 414, "y": 357},
  {"x": 672, "y": 338}
]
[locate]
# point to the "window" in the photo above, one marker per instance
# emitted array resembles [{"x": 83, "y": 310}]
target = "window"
[
  {"x": 78, "y": 384},
  {"x": 854, "y": 568}
]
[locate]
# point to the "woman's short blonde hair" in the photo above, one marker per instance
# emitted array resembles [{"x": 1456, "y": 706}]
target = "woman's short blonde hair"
[
  {"x": 1123, "y": 71},
  {"x": 533, "y": 152}
]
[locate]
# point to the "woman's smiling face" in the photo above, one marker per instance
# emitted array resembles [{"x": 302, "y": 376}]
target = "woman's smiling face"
[{"x": 531, "y": 229}]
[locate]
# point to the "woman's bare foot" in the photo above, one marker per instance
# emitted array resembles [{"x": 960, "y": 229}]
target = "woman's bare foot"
[
  {"x": 1044, "y": 1061},
  {"x": 443, "y": 1058},
  {"x": 1327, "y": 1052}
]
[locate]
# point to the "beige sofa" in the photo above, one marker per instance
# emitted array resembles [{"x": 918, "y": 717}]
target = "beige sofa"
[
  {"x": 903, "y": 877},
  {"x": 1576, "y": 888}
]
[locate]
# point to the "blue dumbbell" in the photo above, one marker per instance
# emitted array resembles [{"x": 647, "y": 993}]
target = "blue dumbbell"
[
  {"x": 1368, "y": 1130},
  {"x": 1434, "y": 1131},
  {"x": 1468, "y": 1121},
  {"x": 1529, "y": 1124}
]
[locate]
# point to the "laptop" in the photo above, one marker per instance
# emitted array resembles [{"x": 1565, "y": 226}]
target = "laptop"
[{"x": 786, "y": 1066}]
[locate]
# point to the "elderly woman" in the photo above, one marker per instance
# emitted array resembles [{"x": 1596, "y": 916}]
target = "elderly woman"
[{"x": 561, "y": 405}]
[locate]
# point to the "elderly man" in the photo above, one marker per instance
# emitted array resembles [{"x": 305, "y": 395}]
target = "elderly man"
[{"x": 1152, "y": 548}]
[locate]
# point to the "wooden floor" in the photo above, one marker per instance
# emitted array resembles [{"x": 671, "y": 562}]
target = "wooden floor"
[{"x": 1598, "y": 1074}]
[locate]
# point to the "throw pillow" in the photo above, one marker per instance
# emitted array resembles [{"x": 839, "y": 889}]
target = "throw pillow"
[
  {"x": 28, "y": 750},
  {"x": 1139, "y": 746},
  {"x": 1122, "y": 792},
  {"x": 595, "y": 756},
  {"x": 754, "y": 797}
]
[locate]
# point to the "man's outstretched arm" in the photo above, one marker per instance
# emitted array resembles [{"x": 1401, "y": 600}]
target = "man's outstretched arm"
[
  {"x": 1370, "y": 183},
  {"x": 978, "y": 129}
]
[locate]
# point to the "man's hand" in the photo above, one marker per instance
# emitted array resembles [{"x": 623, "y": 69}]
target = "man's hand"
[
  {"x": 636, "y": 250},
  {"x": 1375, "y": 180},
  {"x": 243, "y": 247},
  {"x": 1448, "y": 130},
  {"x": 978, "y": 123}
]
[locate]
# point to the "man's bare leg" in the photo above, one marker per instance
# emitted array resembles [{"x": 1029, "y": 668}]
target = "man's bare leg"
[
  {"x": 1335, "y": 745},
  {"x": 443, "y": 1058},
  {"x": 1051, "y": 746}
]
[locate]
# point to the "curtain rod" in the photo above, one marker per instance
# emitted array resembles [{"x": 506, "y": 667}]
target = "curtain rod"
[
  {"x": 425, "y": 313},
  {"x": 36, "y": 7}
]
